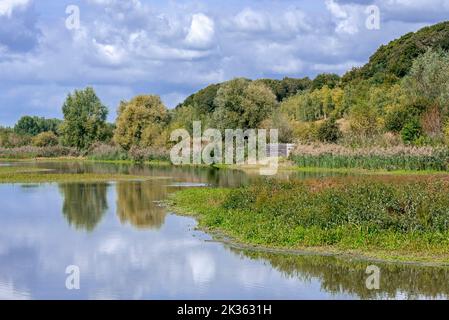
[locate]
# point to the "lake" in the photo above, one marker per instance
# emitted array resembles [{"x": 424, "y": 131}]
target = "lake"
[{"x": 128, "y": 246}]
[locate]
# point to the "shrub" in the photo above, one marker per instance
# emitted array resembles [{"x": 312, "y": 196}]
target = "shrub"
[
  {"x": 148, "y": 154},
  {"x": 411, "y": 131},
  {"x": 45, "y": 139},
  {"x": 329, "y": 131},
  {"x": 103, "y": 151}
]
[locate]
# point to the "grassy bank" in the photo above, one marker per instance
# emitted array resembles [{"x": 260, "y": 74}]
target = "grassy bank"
[
  {"x": 34, "y": 175},
  {"x": 395, "y": 219}
]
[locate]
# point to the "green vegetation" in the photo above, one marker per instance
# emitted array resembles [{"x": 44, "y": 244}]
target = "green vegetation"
[
  {"x": 45, "y": 139},
  {"x": 11, "y": 174},
  {"x": 394, "y": 60},
  {"x": 402, "y": 218},
  {"x": 34, "y": 125},
  {"x": 388, "y": 159},
  {"x": 84, "y": 119},
  {"x": 140, "y": 123}
]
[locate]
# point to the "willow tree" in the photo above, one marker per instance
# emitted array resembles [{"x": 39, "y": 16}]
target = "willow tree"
[{"x": 140, "y": 122}]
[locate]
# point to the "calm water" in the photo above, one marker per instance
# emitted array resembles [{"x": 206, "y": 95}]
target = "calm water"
[{"x": 128, "y": 247}]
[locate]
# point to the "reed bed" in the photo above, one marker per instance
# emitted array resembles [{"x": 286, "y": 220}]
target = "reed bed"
[{"x": 375, "y": 158}]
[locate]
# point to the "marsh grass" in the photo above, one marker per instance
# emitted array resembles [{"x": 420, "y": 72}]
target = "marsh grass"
[
  {"x": 376, "y": 158},
  {"x": 405, "y": 218}
]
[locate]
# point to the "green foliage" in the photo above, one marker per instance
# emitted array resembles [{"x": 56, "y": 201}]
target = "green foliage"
[
  {"x": 329, "y": 131},
  {"x": 140, "y": 122},
  {"x": 330, "y": 80},
  {"x": 242, "y": 104},
  {"x": 203, "y": 100},
  {"x": 32, "y": 126},
  {"x": 428, "y": 85},
  {"x": 286, "y": 87},
  {"x": 411, "y": 131},
  {"x": 84, "y": 119},
  {"x": 393, "y": 159},
  {"x": 284, "y": 126},
  {"x": 395, "y": 59},
  {"x": 446, "y": 133},
  {"x": 410, "y": 217},
  {"x": 45, "y": 139}
]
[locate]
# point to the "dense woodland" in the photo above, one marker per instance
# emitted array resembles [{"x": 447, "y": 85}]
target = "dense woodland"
[{"x": 400, "y": 97}]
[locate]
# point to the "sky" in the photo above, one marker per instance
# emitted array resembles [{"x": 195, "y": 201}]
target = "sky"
[{"x": 123, "y": 48}]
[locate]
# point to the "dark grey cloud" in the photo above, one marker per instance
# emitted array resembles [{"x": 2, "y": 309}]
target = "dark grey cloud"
[{"x": 18, "y": 29}]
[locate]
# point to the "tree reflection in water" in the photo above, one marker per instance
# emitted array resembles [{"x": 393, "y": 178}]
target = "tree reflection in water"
[
  {"x": 84, "y": 204},
  {"x": 342, "y": 275},
  {"x": 137, "y": 203}
]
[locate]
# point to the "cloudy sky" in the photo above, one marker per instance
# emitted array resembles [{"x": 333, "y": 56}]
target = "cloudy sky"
[{"x": 173, "y": 48}]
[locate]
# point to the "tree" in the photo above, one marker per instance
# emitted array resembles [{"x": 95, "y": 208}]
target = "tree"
[
  {"x": 428, "y": 85},
  {"x": 325, "y": 79},
  {"x": 27, "y": 125},
  {"x": 140, "y": 121},
  {"x": 429, "y": 78},
  {"x": 32, "y": 126},
  {"x": 242, "y": 104},
  {"x": 284, "y": 126},
  {"x": 84, "y": 119},
  {"x": 258, "y": 103}
]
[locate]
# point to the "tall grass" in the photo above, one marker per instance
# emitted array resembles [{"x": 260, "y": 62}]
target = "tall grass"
[
  {"x": 27, "y": 152},
  {"x": 393, "y": 158},
  {"x": 106, "y": 152}
]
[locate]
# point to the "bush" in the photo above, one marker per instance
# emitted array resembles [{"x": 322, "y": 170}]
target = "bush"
[
  {"x": 103, "y": 151},
  {"x": 148, "y": 154},
  {"x": 329, "y": 131},
  {"x": 45, "y": 139},
  {"x": 411, "y": 131}
]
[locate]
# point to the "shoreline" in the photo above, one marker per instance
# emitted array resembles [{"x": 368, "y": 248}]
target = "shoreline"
[
  {"x": 220, "y": 237},
  {"x": 284, "y": 166},
  {"x": 431, "y": 257}
]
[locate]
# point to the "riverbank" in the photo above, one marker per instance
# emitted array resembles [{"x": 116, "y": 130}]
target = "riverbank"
[
  {"x": 405, "y": 220},
  {"x": 12, "y": 174}
]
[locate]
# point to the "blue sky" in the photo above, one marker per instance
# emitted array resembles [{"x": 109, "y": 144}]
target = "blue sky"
[{"x": 172, "y": 48}]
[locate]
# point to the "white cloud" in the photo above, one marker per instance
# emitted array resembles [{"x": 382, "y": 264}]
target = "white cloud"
[
  {"x": 250, "y": 21},
  {"x": 201, "y": 32},
  {"x": 346, "y": 17},
  {"x": 8, "y": 6}
]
